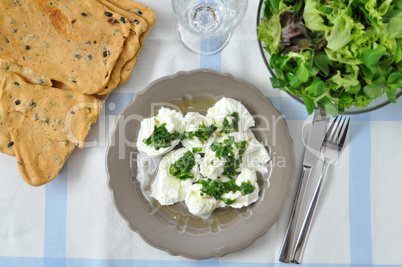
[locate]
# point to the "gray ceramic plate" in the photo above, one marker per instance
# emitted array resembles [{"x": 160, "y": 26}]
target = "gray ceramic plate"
[{"x": 173, "y": 229}]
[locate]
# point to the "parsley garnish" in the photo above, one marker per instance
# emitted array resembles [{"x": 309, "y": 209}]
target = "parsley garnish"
[
  {"x": 197, "y": 150},
  {"x": 231, "y": 166},
  {"x": 246, "y": 188},
  {"x": 228, "y": 201},
  {"x": 227, "y": 127},
  {"x": 217, "y": 188},
  {"x": 203, "y": 132},
  {"x": 182, "y": 167},
  {"x": 161, "y": 138},
  {"x": 225, "y": 151}
]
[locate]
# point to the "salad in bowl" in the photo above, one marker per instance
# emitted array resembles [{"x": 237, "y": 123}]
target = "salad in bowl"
[{"x": 336, "y": 54}]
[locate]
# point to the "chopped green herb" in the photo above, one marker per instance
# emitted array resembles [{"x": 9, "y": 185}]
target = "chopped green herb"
[
  {"x": 246, "y": 188},
  {"x": 228, "y": 201},
  {"x": 203, "y": 132},
  {"x": 182, "y": 167},
  {"x": 231, "y": 127},
  {"x": 225, "y": 151},
  {"x": 231, "y": 166},
  {"x": 161, "y": 138},
  {"x": 241, "y": 146},
  {"x": 197, "y": 150},
  {"x": 217, "y": 188}
]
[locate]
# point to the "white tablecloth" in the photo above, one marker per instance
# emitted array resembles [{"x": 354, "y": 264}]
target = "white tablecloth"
[{"x": 72, "y": 221}]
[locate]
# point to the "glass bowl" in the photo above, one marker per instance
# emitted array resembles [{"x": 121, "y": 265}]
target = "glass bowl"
[{"x": 376, "y": 103}]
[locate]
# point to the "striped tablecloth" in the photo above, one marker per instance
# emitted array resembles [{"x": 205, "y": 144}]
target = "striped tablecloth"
[{"x": 72, "y": 221}]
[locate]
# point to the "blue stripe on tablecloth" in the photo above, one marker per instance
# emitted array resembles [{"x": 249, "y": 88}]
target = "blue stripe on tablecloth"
[
  {"x": 360, "y": 190},
  {"x": 212, "y": 61},
  {"x": 21, "y": 262},
  {"x": 213, "y": 262},
  {"x": 56, "y": 220}
]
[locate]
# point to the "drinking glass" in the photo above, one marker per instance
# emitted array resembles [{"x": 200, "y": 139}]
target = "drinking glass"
[{"x": 205, "y": 26}]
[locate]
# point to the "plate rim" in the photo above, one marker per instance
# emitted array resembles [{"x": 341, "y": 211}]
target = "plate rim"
[{"x": 259, "y": 233}]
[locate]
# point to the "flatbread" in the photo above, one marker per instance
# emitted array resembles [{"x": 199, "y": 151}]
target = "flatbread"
[
  {"x": 6, "y": 146},
  {"x": 75, "y": 42},
  {"x": 39, "y": 158},
  {"x": 29, "y": 75},
  {"x": 132, "y": 43},
  {"x": 62, "y": 115},
  {"x": 149, "y": 16},
  {"x": 46, "y": 124},
  {"x": 137, "y": 8}
]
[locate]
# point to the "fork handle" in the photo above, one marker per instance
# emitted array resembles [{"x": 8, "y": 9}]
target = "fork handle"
[
  {"x": 301, "y": 240},
  {"x": 287, "y": 248}
]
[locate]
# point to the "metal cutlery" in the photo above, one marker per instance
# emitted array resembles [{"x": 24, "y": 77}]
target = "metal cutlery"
[
  {"x": 314, "y": 141},
  {"x": 330, "y": 150}
]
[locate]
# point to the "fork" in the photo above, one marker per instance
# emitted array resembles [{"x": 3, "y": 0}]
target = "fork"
[{"x": 330, "y": 150}]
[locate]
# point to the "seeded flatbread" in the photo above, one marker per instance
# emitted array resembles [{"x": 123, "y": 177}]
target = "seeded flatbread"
[
  {"x": 28, "y": 74},
  {"x": 137, "y": 8},
  {"x": 149, "y": 16},
  {"x": 39, "y": 158},
  {"x": 131, "y": 45},
  {"x": 62, "y": 115},
  {"x": 74, "y": 42},
  {"x": 6, "y": 146},
  {"x": 51, "y": 123}
]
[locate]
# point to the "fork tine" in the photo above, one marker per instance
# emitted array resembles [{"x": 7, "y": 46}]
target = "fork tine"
[
  {"x": 329, "y": 134},
  {"x": 345, "y": 131},
  {"x": 339, "y": 129}
]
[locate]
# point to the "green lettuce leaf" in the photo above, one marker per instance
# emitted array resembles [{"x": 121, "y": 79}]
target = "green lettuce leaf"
[
  {"x": 269, "y": 30},
  {"x": 395, "y": 27},
  {"x": 314, "y": 18},
  {"x": 377, "y": 12},
  {"x": 370, "y": 57},
  {"x": 374, "y": 89},
  {"x": 344, "y": 30}
]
